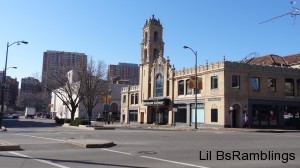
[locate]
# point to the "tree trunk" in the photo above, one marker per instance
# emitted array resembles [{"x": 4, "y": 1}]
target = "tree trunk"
[
  {"x": 89, "y": 114},
  {"x": 73, "y": 114}
]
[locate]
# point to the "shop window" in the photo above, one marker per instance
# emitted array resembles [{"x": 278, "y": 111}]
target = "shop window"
[
  {"x": 264, "y": 115},
  {"x": 188, "y": 89},
  {"x": 181, "y": 87},
  {"x": 124, "y": 98},
  {"x": 133, "y": 116},
  {"x": 159, "y": 86},
  {"x": 272, "y": 85},
  {"x": 214, "y": 115},
  {"x": 214, "y": 82},
  {"x": 255, "y": 83},
  {"x": 289, "y": 87},
  {"x": 291, "y": 116},
  {"x": 235, "y": 81}
]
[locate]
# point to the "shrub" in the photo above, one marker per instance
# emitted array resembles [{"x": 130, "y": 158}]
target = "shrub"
[
  {"x": 60, "y": 121},
  {"x": 78, "y": 122},
  {"x": 99, "y": 119},
  {"x": 68, "y": 120}
]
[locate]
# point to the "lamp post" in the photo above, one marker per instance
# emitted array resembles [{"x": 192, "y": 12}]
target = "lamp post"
[
  {"x": 4, "y": 79},
  {"x": 195, "y": 88}
]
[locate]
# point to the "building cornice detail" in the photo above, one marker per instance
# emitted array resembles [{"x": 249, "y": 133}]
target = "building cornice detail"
[{"x": 229, "y": 65}]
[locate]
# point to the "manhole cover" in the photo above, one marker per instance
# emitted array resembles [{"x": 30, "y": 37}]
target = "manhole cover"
[{"x": 147, "y": 152}]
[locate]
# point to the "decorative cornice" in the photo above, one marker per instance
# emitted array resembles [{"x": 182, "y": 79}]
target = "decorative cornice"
[{"x": 228, "y": 65}]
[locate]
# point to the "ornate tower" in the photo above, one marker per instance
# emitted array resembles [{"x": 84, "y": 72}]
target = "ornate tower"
[
  {"x": 152, "y": 47},
  {"x": 152, "y": 43}
]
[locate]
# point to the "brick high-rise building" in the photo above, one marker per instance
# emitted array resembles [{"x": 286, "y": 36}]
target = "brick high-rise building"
[
  {"x": 123, "y": 73},
  {"x": 54, "y": 60},
  {"x": 11, "y": 90},
  {"x": 30, "y": 85}
]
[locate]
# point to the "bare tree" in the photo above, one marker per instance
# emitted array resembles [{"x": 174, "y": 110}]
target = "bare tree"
[
  {"x": 25, "y": 100},
  {"x": 66, "y": 86},
  {"x": 37, "y": 100},
  {"x": 93, "y": 85}
]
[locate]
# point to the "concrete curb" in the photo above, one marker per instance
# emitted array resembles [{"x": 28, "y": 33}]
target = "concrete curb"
[
  {"x": 5, "y": 146},
  {"x": 86, "y": 127},
  {"x": 91, "y": 143}
]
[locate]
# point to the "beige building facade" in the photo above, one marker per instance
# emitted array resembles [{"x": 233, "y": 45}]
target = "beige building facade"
[{"x": 268, "y": 94}]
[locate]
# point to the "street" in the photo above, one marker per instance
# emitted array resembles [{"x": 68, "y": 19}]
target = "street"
[{"x": 44, "y": 145}]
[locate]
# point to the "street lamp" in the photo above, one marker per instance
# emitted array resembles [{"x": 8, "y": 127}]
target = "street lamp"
[
  {"x": 195, "y": 88},
  {"x": 12, "y": 67},
  {"x": 4, "y": 78}
]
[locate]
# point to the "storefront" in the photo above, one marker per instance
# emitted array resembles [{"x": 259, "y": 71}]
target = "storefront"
[
  {"x": 133, "y": 116},
  {"x": 200, "y": 113},
  {"x": 158, "y": 111},
  {"x": 274, "y": 114},
  {"x": 264, "y": 115}
]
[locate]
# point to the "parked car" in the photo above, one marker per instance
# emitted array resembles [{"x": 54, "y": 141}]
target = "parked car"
[
  {"x": 5, "y": 115},
  {"x": 15, "y": 116}
]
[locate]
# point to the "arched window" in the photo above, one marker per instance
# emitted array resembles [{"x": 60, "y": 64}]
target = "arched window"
[
  {"x": 146, "y": 37},
  {"x": 132, "y": 99},
  {"x": 145, "y": 55},
  {"x": 188, "y": 89},
  {"x": 155, "y": 36},
  {"x": 155, "y": 54},
  {"x": 114, "y": 107},
  {"x": 159, "y": 86},
  {"x": 181, "y": 87},
  {"x": 136, "y": 98}
]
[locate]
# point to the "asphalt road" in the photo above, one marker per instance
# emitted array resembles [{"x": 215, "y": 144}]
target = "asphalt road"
[{"x": 44, "y": 146}]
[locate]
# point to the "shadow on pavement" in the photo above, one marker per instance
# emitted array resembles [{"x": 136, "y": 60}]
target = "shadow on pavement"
[
  {"x": 75, "y": 161},
  {"x": 278, "y": 131},
  {"x": 16, "y": 123}
]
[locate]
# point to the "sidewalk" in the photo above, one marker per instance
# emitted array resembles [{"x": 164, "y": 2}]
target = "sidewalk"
[{"x": 200, "y": 128}]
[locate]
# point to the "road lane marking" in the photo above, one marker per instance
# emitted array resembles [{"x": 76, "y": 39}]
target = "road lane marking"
[
  {"x": 42, "y": 137},
  {"x": 170, "y": 161},
  {"x": 39, "y": 160},
  {"x": 153, "y": 158},
  {"x": 117, "y": 151}
]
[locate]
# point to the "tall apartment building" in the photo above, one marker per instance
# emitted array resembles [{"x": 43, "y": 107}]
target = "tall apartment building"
[
  {"x": 53, "y": 61},
  {"x": 11, "y": 90},
  {"x": 123, "y": 73},
  {"x": 30, "y": 85}
]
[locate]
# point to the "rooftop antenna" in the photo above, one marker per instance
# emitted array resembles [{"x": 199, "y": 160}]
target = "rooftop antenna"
[{"x": 293, "y": 13}]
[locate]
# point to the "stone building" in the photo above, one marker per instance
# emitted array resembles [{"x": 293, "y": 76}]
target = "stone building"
[{"x": 268, "y": 93}]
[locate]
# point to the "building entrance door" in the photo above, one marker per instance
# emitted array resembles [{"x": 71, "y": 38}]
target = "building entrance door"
[
  {"x": 234, "y": 119},
  {"x": 142, "y": 117},
  {"x": 237, "y": 118}
]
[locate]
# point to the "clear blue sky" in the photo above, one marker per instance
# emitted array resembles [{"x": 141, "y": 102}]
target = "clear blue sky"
[{"x": 111, "y": 30}]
